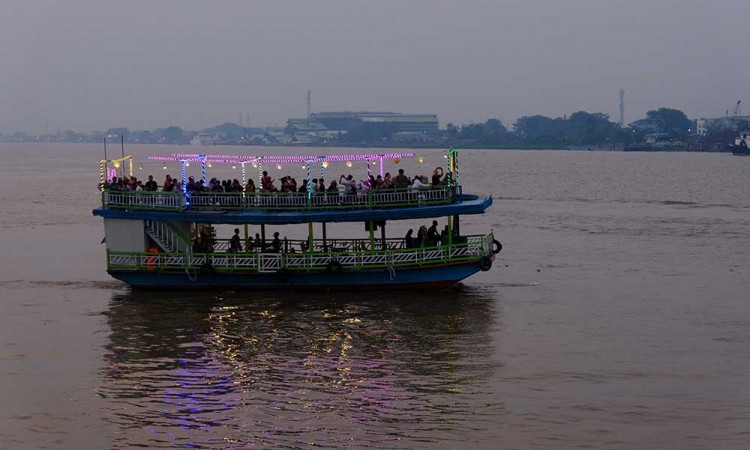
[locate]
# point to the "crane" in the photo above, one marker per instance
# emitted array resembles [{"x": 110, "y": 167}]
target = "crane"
[{"x": 736, "y": 112}]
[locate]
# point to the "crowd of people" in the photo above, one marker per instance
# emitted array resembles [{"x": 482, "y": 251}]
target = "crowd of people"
[
  {"x": 429, "y": 237},
  {"x": 287, "y": 184}
]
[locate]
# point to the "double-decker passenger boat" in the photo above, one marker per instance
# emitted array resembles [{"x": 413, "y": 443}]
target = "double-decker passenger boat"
[{"x": 167, "y": 239}]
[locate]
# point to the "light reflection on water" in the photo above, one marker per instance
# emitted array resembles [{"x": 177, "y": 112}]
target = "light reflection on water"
[{"x": 322, "y": 369}]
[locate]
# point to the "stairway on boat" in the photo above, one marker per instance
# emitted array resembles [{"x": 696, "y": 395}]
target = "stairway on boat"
[{"x": 167, "y": 236}]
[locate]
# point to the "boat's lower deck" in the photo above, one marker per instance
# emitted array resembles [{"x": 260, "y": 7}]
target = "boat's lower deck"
[{"x": 433, "y": 276}]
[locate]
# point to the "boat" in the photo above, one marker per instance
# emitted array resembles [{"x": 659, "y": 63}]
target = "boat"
[
  {"x": 740, "y": 145},
  {"x": 162, "y": 239}
]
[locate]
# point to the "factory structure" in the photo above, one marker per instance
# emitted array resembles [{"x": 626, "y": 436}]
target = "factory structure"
[
  {"x": 398, "y": 127},
  {"x": 733, "y": 120}
]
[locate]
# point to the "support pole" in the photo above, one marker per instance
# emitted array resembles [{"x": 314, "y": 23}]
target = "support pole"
[
  {"x": 372, "y": 236},
  {"x": 382, "y": 237},
  {"x": 263, "y": 237},
  {"x": 325, "y": 241},
  {"x": 184, "y": 178},
  {"x": 122, "y": 146},
  {"x": 382, "y": 171},
  {"x": 309, "y": 184},
  {"x": 246, "y": 241},
  {"x": 310, "y": 237},
  {"x": 244, "y": 179},
  {"x": 203, "y": 169},
  {"x": 450, "y": 231}
]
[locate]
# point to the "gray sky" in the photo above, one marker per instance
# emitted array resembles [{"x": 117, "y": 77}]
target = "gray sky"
[{"x": 95, "y": 64}]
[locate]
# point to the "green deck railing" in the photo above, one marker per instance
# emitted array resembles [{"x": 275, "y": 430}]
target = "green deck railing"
[{"x": 473, "y": 249}]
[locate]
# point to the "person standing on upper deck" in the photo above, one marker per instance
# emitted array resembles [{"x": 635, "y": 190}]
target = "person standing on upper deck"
[{"x": 401, "y": 181}]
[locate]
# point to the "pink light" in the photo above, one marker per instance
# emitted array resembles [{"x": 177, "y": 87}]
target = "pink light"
[{"x": 278, "y": 159}]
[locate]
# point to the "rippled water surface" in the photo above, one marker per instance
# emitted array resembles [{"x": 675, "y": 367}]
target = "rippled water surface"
[{"x": 618, "y": 316}]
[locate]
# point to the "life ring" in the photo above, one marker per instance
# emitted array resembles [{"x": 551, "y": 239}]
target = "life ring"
[
  {"x": 498, "y": 247},
  {"x": 282, "y": 275},
  {"x": 334, "y": 267},
  {"x": 207, "y": 269},
  {"x": 485, "y": 263}
]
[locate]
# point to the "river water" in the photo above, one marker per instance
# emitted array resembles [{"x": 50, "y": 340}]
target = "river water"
[{"x": 617, "y": 317}]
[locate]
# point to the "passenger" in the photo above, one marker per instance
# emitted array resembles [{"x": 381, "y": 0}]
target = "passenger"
[
  {"x": 235, "y": 243},
  {"x": 321, "y": 186},
  {"x": 276, "y": 243},
  {"x": 433, "y": 237},
  {"x": 421, "y": 237},
  {"x": 437, "y": 174},
  {"x": 409, "y": 241},
  {"x": 350, "y": 186},
  {"x": 444, "y": 236},
  {"x": 418, "y": 184},
  {"x": 266, "y": 182},
  {"x": 401, "y": 181},
  {"x": 250, "y": 186},
  {"x": 369, "y": 183},
  {"x": 260, "y": 246},
  {"x": 191, "y": 184},
  {"x": 303, "y": 188},
  {"x": 167, "y": 183},
  {"x": 387, "y": 181},
  {"x": 151, "y": 184},
  {"x": 236, "y": 186}
]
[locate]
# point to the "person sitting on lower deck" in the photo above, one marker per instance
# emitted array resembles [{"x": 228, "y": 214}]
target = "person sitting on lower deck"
[
  {"x": 433, "y": 237},
  {"x": 409, "y": 241},
  {"x": 235, "y": 243},
  {"x": 275, "y": 243}
]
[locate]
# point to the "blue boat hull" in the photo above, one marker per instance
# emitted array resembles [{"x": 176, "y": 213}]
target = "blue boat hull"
[{"x": 418, "y": 278}]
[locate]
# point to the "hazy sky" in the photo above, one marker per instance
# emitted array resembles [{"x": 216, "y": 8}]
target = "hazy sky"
[{"x": 95, "y": 64}]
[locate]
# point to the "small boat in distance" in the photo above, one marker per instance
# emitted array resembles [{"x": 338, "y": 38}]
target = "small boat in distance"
[
  {"x": 740, "y": 145},
  {"x": 167, "y": 237}
]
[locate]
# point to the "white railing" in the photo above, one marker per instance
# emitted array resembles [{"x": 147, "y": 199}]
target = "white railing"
[
  {"x": 475, "y": 248},
  {"x": 143, "y": 200},
  {"x": 147, "y": 200}
]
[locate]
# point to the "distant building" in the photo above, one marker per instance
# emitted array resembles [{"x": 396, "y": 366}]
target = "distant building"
[
  {"x": 735, "y": 123},
  {"x": 348, "y": 120}
]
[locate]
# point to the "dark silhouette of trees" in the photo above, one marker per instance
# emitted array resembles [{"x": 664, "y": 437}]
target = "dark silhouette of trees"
[{"x": 672, "y": 121}]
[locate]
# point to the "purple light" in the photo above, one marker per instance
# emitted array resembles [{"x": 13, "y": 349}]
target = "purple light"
[{"x": 278, "y": 159}]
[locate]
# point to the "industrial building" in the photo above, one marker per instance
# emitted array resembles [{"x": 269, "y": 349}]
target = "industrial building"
[{"x": 346, "y": 120}]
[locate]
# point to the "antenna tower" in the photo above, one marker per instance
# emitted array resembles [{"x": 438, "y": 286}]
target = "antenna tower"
[
  {"x": 622, "y": 108},
  {"x": 308, "y": 104}
]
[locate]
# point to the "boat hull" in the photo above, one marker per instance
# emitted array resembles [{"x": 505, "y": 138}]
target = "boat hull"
[{"x": 417, "y": 278}]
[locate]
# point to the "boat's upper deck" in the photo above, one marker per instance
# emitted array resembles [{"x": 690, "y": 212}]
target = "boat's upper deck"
[{"x": 381, "y": 198}]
